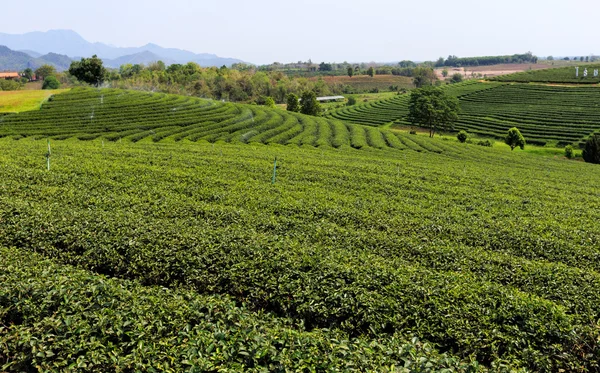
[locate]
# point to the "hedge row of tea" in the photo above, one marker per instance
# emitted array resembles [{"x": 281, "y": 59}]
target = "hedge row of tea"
[
  {"x": 56, "y": 318},
  {"x": 487, "y": 254},
  {"x": 117, "y": 115},
  {"x": 557, "y": 75},
  {"x": 567, "y": 115},
  {"x": 564, "y": 115},
  {"x": 394, "y": 110}
]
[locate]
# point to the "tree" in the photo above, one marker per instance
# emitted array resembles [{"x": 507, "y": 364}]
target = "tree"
[
  {"x": 89, "y": 70},
  {"x": 423, "y": 76},
  {"x": 292, "y": 103},
  {"x": 445, "y": 73},
  {"x": 28, "y": 73},
  {"x": 462, "y": 136},
  {"x": 514, "y": 139},
  {"x": 45, "y": 70},
  {"x": 550, "y": 58},
  {"x": 591, "y": 151},
  {"x": 371, "y": 72},
  {"x": 51, "y": 83},
  {"x": 350, "y": 71},
  {"x": 351, "y": 101},
  {"x": 309, "y": 104},
  {"x": 432, "y": 108},
  {"x": 456, "y": 78}
]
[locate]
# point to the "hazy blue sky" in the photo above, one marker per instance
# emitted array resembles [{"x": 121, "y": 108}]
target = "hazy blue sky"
[{"x": 263, "y": 31}]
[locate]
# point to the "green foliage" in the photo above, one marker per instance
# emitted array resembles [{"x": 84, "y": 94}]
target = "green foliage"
[
  {"x": 350, "y": 71},
  {"x": 371, "y": 72},
  {"x": 554, "y": 75},
  {"x": 462, "y": 136},
  {"x": 487, "y": 60},
  {"x": 591, "y": 150},
  {"x": 545, "y": 114},
  {"x": 64, "y": 324},
  {"x": 351, "y": 101},
  {"x": 309, "y": 104},
  {"x": 423, "y": 76},
  {"x": 487, "y": 143},
  {"x": 28, "y": 73},
  {"x": 371, "y": 245},
  {"x": 569, "y": 152},
  {"x": 433, "y": 109},
  {"x": 44, "y": 71},
  {"x": 88, "y": 114},
  {"x": 10, "y": 85},
  {"x": 292, "y": 103},
  {"x": 51, "y": 83},
  {"x": 456, "y": 78},
  {"x": 445, "y": 73},
  {"x": 514, "y": 138},
  {"x": 89, "y": 70},
  {"x": 269, "y": 102}
]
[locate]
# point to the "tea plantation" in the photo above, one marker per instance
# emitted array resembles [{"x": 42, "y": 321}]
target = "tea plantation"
[
  {"x": 559, "y": 114},
  {"x": 555, "y": 75},
  {"x": 117, "y": 115},
  {"x": 172, "y": 253}
]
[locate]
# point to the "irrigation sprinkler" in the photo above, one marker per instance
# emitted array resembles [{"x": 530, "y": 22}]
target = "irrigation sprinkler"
[
  {"x": 48, "y": 154},
  {"x": 274, "y": 172}
]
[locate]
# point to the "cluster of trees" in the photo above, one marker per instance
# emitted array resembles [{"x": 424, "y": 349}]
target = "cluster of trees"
[
  {"x": 432, "y": 108},
  {"x": 454, "y": 61},
  {"x": 308, "y": 104},
  {"x": 246, "y": 85}
]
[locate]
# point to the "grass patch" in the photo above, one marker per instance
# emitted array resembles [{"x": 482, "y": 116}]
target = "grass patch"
[{"x": 19, "y": 101}]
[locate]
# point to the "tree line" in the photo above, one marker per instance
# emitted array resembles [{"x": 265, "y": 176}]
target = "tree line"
[{"x": 454, "y": 61}]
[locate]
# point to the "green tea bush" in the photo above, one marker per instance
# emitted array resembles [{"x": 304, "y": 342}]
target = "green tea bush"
[
  {"x": 569, "y": 152},
  {"x": 462, "y": 136}
]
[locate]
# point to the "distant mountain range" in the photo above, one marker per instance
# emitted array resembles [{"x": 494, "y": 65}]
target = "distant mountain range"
[
  {"x": 14, "y": 60},
  {"x": 38, "y": 45}
]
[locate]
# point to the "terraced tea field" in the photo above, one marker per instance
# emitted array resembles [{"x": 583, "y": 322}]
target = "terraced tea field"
[
  {"x": 116, "y": 115},
  {"x": 487, "y": 254},
  {"x": 565, "y": 115},
  {"x": 556, "y": 75},
  {"x": 170, "y": 249}
]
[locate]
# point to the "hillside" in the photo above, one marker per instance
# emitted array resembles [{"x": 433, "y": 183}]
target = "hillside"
[
  {"x": 564, "y": 115},
  {"x": 346, "y": 257},
  {"x": 18, "y": 61},
  {"x": 114, "y": 115},
  {"x": 556, "y": 75}
]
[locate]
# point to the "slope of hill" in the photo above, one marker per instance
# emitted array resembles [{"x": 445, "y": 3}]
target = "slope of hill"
[
  {"x": 116, "y": 114},
  {"x": 565, "y": 115},
  {"x": 490, "y": 255},
  {"x": 31, "y": 53},
  {"x": 70, "y": 43},
  {"x": 13, "y": 60},
  {"x": 138, "y": 58},
  {"x": 556, "y": 75}
]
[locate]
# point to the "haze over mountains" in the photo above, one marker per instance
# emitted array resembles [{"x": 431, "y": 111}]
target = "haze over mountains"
[{"x": 69, "y": 43}]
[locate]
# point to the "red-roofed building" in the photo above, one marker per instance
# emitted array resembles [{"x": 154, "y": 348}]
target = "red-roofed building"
[{"x": 9, "y": 75}]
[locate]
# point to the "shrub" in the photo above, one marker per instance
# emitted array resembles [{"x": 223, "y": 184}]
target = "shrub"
[
  {"x": 514, "y": 138},
  {"x": 462, "y": 136},
  {"x": 351, "y": 101},
  {"x": 591, "y": 151},
  {"x": 569, "y": 151},
  {"x": 488, "y": 143},
  {"x": 51, "y": 83},
  {"x": 413, "y": 132}
]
